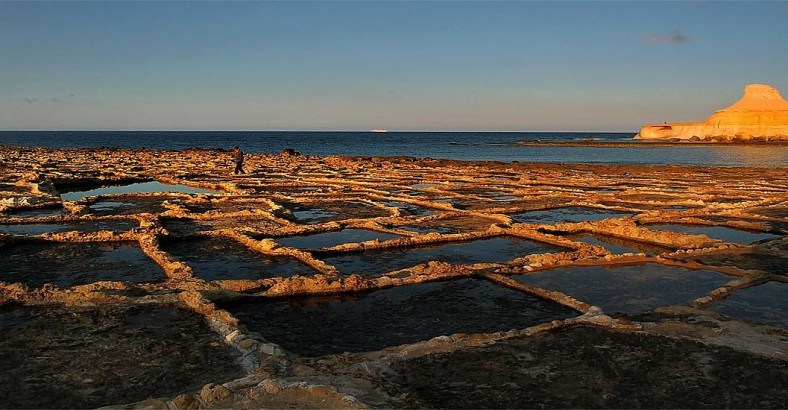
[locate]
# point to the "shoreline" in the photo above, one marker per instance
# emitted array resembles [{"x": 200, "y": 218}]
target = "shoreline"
[
  {"x": 651, "y": 144},
  {"x": 412, "y": 240},
  {"x": 407, "y": 158},
  {"x": 559, "y": 148}
]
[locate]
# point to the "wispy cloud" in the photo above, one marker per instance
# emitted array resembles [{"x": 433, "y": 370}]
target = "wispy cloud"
[
  {"x": 58, "y": 99},
  {"x": 674, "y": 37}
]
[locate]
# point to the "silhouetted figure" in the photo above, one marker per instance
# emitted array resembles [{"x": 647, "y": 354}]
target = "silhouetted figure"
[{"x": 238, "y": 157}]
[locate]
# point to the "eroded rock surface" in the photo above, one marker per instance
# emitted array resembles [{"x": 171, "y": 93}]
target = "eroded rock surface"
[
  {"x": 365, "y": 244},
  {"x": 591, "y": 368}
]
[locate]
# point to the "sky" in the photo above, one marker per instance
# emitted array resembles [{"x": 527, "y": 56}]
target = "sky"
[{"x": 398, "y": 65}]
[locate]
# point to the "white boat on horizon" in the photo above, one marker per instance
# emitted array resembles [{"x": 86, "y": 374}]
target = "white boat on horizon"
[{"x": 378, "y": 130}]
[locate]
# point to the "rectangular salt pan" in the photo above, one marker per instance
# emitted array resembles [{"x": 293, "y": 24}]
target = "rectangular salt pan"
[
  {"x": 139, "y": 187},
  {"x": 766, "y": 304},
  {"x": 493, "y": 250},
  {"x": 568, "y": 214},
  {"x": 631, "y": 289},
  {"x": 219, "y": 258},
  {"x": 328, "y": 239},
  {"x": 715, "y": 232},
  {"x": 82, "y": 226},
  {"x": 70, "y": 264},
  {"x": 316, "y": 326}
]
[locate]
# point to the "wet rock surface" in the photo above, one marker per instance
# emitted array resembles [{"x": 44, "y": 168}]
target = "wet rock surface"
[
  {"x": 591, "y": 368},
  {"x": 81, "y": 357},
  {"x": 346, "y": 282}
]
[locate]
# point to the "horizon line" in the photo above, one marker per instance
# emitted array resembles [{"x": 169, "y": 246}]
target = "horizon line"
[{"x": 308, "y": 130}]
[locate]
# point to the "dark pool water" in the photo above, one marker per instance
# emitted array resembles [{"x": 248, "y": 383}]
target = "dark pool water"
[
  {"x": 104, "y": 206},
  {"x": 328, "y": 239},
  {"x": 493, "y": 250},
  {"x": 318, "y": 326},
  {"x": 715, "y": 232},
  {"x": 314, "y": 215},
  {"x": 766, "y": 303},
  {"x": 33, "y": 229},
  {"x": 334, "y": 210},
  {"x": 86, "y": 226},
  {"x": 69, "y": 264},
  {"x": 568, "y": 214},
  {"x": 220, "y": 258},
  {"x": 37, "y": 213},
  {"x": 631, "y": 289},
  {"x": 128, "y": 205},
  {"x": 134, "y": 188}
]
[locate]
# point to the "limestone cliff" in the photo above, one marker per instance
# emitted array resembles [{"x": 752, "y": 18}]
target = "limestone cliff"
[{"x": 760, "y": 115}]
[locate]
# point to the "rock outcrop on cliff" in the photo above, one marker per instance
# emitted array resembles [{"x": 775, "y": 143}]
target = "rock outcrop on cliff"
[{"x": 760, "y": 115}]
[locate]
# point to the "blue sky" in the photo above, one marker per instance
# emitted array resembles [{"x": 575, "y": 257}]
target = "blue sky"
[{"x": 499, "y": 66}]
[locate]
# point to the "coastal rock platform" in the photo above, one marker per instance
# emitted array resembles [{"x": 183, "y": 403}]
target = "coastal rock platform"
[{"x": 149, "y": 278}]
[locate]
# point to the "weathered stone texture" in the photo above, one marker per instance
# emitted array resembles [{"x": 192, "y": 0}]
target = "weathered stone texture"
[{"x": 760, "y": 115}]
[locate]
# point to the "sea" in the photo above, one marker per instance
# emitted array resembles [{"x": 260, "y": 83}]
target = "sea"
[{"x": 476, "y": 146}]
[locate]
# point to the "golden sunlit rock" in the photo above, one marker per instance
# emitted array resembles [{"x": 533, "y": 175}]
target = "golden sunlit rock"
[
  {"x": 760, "y": 115},
  {"x": 342, "y": 282}
]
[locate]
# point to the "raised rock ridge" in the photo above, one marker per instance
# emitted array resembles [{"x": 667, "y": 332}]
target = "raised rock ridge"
[{"x": 760, "y": 115}]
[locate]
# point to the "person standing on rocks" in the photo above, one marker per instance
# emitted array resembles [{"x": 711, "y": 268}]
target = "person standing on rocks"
[{"x": 238, "y": 157}]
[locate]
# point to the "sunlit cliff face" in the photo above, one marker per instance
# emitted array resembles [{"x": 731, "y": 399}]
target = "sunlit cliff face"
[{"x": 761, "y": 114}]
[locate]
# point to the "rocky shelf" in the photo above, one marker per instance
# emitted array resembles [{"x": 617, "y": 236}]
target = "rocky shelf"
[{"x": 158, "y": 278}]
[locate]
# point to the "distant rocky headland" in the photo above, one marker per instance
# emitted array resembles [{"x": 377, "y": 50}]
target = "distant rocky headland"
[{"x": 761, "y": 115}]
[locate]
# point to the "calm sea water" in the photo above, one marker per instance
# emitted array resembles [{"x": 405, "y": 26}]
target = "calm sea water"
[{"x": 492, "y": 146}]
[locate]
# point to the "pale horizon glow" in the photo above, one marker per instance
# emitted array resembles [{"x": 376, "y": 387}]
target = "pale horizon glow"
[{"x": 400, "y": 66}]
